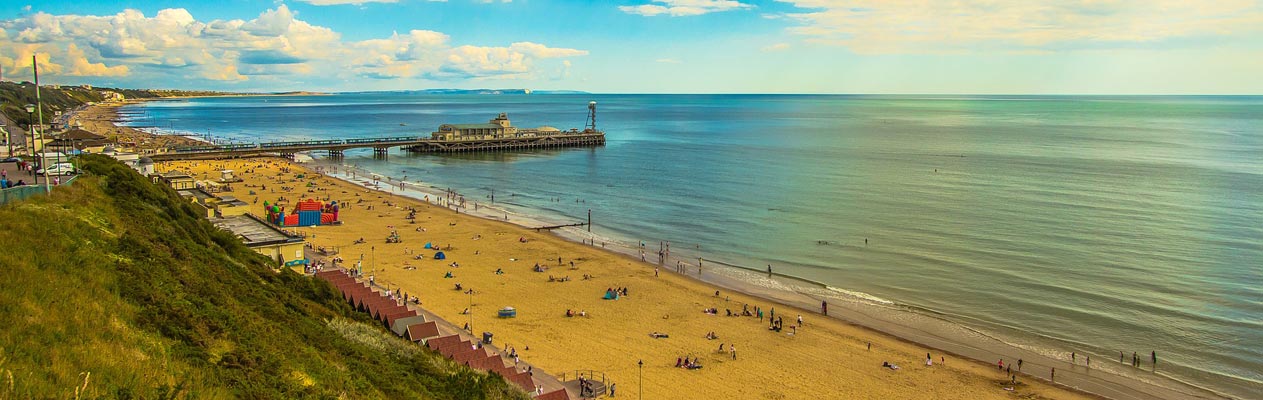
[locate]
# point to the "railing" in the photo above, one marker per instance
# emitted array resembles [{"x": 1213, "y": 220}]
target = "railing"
[
  {"x": 590, "y": 375},
  {"x": 26, "y": 191}
]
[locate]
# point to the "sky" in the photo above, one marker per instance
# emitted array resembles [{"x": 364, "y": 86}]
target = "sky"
[{"x": 644, "y": 46}]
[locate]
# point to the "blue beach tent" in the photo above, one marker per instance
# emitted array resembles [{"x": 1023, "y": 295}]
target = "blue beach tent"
[{"x": 440, "y": 256}]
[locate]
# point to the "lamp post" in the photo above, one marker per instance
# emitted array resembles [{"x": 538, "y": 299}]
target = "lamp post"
[
  {"x": 39, "y": 110},
  {"x": 641, "y": 363},
  {"x": 471, "y": 310},
  {"x": 30, "y": 147}
]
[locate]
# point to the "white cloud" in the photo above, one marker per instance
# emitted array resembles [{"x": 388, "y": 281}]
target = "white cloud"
[
  {"x": 680, "y": 8},
  {"x": 542, "y": 51},
  {"x": 277, "y": 45},
  {"x": 80, "y": 66},
  {"x": 775, "y": 47},
  {"x": 894, "y": 26}
]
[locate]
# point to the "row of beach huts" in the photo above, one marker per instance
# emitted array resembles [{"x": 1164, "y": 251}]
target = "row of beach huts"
[{"x": 410, "y": 325}]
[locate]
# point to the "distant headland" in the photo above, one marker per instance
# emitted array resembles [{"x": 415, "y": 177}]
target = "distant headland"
[{"x": 479, "y": 91}]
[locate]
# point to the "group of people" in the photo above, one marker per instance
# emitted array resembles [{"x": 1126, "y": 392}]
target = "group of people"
[
  {"x": 5, "y": 183},
  {"x": 686, "y": 363},
  {"x": 615, "y": 293},
  {"x": 586, "y": 387}
]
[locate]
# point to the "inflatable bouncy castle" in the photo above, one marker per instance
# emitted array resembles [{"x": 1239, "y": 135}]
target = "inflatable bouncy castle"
[{"x": 305, "y": 213}]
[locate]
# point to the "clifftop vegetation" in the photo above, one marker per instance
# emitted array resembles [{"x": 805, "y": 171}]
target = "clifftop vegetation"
[
  {"x": 14, "y": 96},
  {"x": 116, "y": 288}
]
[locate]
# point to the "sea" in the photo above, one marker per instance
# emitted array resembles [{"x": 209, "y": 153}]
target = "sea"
[{"x": 1099, "y": 225}]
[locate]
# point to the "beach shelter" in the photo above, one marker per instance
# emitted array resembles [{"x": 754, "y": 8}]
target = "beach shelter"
[
  {"x": 428, "y": 246},
  {"x": 440, "y": 256}
]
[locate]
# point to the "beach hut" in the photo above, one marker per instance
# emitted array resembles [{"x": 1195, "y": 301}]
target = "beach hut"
[{"x": 440, "y": 256}]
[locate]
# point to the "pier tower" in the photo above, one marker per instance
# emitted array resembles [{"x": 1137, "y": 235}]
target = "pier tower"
[{"x": 591, "y": 126}]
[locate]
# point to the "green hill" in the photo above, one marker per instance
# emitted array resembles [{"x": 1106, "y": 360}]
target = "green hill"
[
  {"x": 14, "y": 96},
  {"x": 114, "y": 288}
]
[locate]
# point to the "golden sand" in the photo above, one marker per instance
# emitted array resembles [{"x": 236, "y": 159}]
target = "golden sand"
[
  {"x": 99, "y": 119},
  {"x": 826, "y": 359}
]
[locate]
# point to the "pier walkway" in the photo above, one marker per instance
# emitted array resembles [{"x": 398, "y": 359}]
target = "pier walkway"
[{"x": 380, "y": 146}]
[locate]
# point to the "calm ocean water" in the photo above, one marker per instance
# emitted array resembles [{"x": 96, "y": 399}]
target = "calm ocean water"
[{"x": 1087, "y": 224}]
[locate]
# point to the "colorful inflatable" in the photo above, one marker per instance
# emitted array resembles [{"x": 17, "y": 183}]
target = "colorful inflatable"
[{"x": 305, "y": 213}]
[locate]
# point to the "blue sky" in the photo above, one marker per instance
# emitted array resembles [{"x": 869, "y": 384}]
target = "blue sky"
[{"x": 649, "y": 46}]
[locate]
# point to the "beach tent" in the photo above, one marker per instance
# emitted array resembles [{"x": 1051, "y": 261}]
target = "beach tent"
[
  {"x": 440, "y": 256},
  {"x": 428, "y": 246}
]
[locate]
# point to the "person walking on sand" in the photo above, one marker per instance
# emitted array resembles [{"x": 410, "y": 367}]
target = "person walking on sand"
[
  {"x": 1019, "y": 365},
  {"x": 1052, "y": 376},
  {"x": 1154, "y": 354},
  {"x": 769, "y": 271},
  {"x": 824, "y": 307},
  {"x": 1072, "y": 360},
  {"x": 928, "y": 360},
  {"x": 655, "y": 272},
  {"x": 800, "y": 320},
  {"x": 733, "y": 348}
]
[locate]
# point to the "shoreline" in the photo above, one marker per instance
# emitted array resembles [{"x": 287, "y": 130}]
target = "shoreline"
[
  {"x": 612, "y": 337},
  {"x": 795, "y": 294},
  {"x": 859, "y": 311},
  {"x": 102, "y": 119}
]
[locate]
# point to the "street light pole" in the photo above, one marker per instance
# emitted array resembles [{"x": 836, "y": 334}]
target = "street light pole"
[
  {"x": 39, "y": 110},
  {"x": 641, "y": 363},
  {"x": 471, "y": 310},
  {"x": 30, "y": 147}
]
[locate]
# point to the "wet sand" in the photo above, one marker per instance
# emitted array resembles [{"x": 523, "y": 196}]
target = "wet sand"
[{"x": 826, "y": 358}]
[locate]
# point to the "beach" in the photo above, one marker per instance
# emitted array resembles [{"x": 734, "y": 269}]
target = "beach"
[
  {"x": 825, "y": 358},
  {"x": 101, "y": 118}
]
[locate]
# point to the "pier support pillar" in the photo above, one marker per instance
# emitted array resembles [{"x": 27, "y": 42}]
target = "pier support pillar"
[
  {"x": 380, "y": 152},
  {"x": 335, "y": 154}
]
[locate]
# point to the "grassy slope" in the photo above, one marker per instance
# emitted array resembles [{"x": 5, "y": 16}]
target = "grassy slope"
[
  {"x": 15, "y": 96},
  {"x": 115, "y": 288}
]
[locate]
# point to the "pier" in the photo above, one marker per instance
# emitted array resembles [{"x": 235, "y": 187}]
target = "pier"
[
  {"x": 380, "y": 146},
  {"x": 498, "y": 134}
]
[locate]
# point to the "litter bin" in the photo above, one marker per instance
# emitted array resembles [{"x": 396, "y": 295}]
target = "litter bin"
[{"x": 486, "y": 337}]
